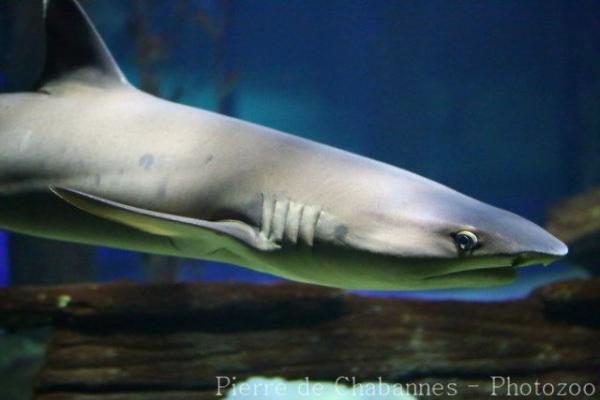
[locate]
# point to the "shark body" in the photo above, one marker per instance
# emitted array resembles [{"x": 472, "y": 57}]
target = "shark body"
[{"x": 88, "y": 158}]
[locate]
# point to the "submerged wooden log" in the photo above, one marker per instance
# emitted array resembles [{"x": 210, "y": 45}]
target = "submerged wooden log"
[
  {"x": 576, "y": 221},
  {"x": 126, "y": 342}
]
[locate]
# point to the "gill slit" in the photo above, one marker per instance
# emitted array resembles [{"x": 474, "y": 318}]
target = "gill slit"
[{"x": 284, "y": 220}]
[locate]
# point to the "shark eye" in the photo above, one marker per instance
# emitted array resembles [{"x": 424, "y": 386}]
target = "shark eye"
[{"x": 466, "y": 240}]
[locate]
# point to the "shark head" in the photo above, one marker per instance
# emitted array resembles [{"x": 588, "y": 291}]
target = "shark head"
[{"x": 415, "y": 233}]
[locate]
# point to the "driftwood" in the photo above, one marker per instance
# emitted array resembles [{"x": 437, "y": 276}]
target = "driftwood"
[
  {"x": 577, "y": 222},
  {"x": 168, "y": 342}
]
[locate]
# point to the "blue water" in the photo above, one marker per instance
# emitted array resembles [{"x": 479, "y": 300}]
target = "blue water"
[
  {"x": 4, "y": 267},
  {"x": 3, "y": 80},
  {"x": 118, "y": 265}
]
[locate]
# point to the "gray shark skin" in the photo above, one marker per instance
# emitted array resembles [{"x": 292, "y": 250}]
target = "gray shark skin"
[{"x": 88, "y": 158}]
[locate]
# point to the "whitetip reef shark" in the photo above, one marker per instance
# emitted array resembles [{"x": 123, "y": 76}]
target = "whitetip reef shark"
[{"x": 86, "y": 157}]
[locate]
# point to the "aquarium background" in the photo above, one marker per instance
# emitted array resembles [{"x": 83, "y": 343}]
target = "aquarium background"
[{"x": 497, "y": 99}]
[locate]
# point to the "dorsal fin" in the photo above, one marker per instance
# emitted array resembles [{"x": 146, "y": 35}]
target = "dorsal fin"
[{"x": 74, "y": 49}]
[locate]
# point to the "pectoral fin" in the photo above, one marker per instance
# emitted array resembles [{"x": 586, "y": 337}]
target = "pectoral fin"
[{"x": 166, "y": 224}]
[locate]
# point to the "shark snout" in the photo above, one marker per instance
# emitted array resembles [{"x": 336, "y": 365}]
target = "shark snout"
[{"x": 527, "y": 242}]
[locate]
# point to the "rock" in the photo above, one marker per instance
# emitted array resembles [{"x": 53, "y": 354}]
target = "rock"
[{"x": 126, "y": 341}]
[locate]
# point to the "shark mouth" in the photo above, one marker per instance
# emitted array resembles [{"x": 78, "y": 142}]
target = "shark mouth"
[{"x": 525, "y": 259}]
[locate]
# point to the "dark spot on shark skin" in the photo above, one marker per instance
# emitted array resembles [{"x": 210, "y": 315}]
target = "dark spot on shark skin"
[
  {"x": 340, "y": 233},
  {"x": 208, "y": 159},
  {"x": 146, "y": 161}
]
